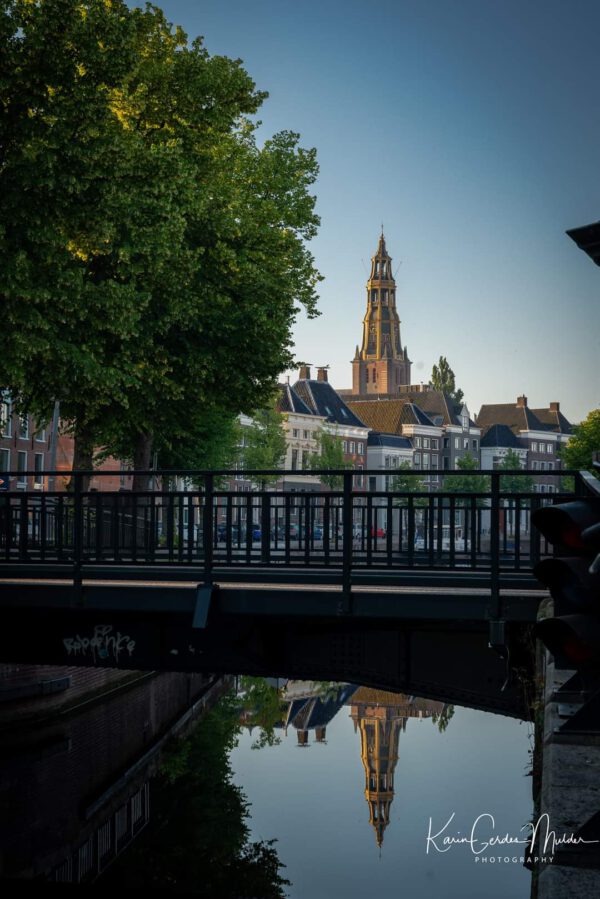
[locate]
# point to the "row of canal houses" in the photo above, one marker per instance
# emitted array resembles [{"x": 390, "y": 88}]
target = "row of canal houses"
[{"x": 418, "y": 427}]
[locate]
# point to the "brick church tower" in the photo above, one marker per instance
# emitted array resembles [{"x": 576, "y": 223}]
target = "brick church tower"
[{"x": 381, "y": 365}]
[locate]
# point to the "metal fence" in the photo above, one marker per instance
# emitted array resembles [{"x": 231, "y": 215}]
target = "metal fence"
[{"x": 210, "y": 525}]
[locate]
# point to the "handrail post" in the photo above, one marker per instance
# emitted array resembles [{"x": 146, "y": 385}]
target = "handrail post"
[
  {"x": 346, "y": 604},
  {"x": 495, "y": 546},
  {"x": 207, "y": 536},
  {"x": 77, "y": 535},
  {"x": 265, "y": 526}
]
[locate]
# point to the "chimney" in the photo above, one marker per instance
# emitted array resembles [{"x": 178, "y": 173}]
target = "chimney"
[
  {"x": 555, "y": 407},
  {"x": 304, "y": 373},
  {"x": 321, "y": 374},
  {"x": 521, "y": 402}
]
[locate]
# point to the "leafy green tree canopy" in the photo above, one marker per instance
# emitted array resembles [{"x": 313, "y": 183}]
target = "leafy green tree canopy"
[
  {"x": 462, "y": 483},
  {"x": 152, "y": 253},
  {"x": 442, "y": 378},
  {"x": 579, "y": 451},
  {"x": 330, "y": 455},
  {"x": 264, "y": 443},
  {"x": 514, "y": 483}
]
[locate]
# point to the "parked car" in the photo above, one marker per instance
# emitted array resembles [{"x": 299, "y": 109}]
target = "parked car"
[
  {"x": 378, "y": 532},
  {"x": 279, "y": 534},
  {"x": 317, "y": 532},
  {"x": 256, "y": 532}
]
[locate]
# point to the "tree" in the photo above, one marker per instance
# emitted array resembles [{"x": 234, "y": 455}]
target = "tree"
[
  {"x": 456, "y": 483},
  {"x": 442, "y": 378},
  {"x": 514, "y": 483},
  {"x": 329, "y": 455},
  {"x": 264, "y": 444},
  {"x": 579, "y": 451},
  {"x": 264, "y": 708},
  {"x": 405, "y": 483},
  {"x": 147, "y": 240}
]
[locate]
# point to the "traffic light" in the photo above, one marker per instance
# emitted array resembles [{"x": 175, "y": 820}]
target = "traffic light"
[{"x": 572, "y": 634}]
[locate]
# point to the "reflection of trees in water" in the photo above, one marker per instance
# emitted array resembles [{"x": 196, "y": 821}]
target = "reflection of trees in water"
[
  {"x": 197, "y": 837},
  {"x": 262, "y": 707}
]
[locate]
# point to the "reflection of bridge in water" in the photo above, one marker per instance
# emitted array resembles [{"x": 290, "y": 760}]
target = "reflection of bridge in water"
[{"x": 395, "y": 589}]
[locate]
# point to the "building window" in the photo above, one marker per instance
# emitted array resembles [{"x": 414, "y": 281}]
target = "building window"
[
  {"x": 40, "y": 435},
  {"x": 548, "y": 447},
  {"x": 306, "y": 435},
  {"x": 305, "y": 459},
  {"x": 21, "y": 467},
  {"x": 352, "y": 446},
  {"x": 426, "y": 442},
  {"x": 23, "y": 425},
  {"x": 38, "y": 464},
  {"x": 5, "y": 419},
  {"x": 345, "y": 446},
  {"x": 457, "y": 443},
  {"x": 550, "y": 466},
  {"x": 434, "y": 443},
  {"x": 474, "y": 445},
  {"x": 466, "y": 443},
  {"x": 434, "y": 460},
  {"x": 4, "y": 460},
  {"x": 534, "y": 446},
  {"x": 360, "y": 448},
  {"x": 294, "y": 459},
  {"x": 417, "y": 460},
  {"x": 417, "y": 441},
  {"x": 426, "y": 458},
  {"x": 446, "y": 442},
  {"x": 295, "y": 432}
]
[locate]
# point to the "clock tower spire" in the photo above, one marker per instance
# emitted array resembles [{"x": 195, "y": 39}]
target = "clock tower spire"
[{"x": 381, "y": 365}]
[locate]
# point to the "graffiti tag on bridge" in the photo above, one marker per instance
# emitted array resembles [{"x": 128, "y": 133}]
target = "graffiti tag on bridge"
[{"x": 102, "y": 645}]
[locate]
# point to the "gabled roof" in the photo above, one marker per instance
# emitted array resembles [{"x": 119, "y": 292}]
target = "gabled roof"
[
  {"x": 321, "y": 399},
  {"x": 501, "y": 435},
  {"x": 553, "y": 420},
  {"x": 289, "y": 401},
  {"x": 517, "y": 418},
  {"x": 522, "y": 418},
  {"x": 393, "y": 441},
  {"x": 388, "y": 416},
  {"x": 435, "y": 403}
]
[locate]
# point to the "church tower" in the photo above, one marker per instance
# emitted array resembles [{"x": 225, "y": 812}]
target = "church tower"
[{"x": 381, "y": 365}]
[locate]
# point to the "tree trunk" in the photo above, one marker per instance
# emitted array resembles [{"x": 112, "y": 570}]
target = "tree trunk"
[
  {"x": 142, "y": 461},
  {"x": 83, "y": 454}
]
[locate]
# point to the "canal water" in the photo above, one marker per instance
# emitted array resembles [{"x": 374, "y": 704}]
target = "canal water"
[
  {"x": 361, "y": 806},
  {"x": 272, "y": 789}
]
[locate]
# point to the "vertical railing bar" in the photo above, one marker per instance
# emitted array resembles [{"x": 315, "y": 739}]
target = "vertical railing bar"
[
  {"x": 307, "y": 530},
  {"x": 249, "y": 528},
  {"x": 99, "y": 526},
  {"x": 346, "y": 605},
  {"x": 495, "y": 547},
  {"x": 77, "y": 535},
  {"x": 180, "y": 526},
  {"x": 517, "y": 532},
  {"x": 43, "y": 513},
  {"x": 389, "y": 533},
  {"x": 207, "y": 526},
  {"x": 265, "y": 527}
]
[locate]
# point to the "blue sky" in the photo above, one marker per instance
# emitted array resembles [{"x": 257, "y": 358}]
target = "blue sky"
[{"x": 471, "y": 129}]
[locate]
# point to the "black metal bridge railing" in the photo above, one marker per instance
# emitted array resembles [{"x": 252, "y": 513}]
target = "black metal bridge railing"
[{"x": 206, "y": 524}]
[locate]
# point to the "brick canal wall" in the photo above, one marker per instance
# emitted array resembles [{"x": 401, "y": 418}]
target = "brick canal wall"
[
  {"x": 70, "y": 777},
  {"x": 570, "y": 796}
]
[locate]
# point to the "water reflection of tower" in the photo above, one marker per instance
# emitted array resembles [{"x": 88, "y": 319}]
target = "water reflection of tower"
[{"x": 381, "y": 716}]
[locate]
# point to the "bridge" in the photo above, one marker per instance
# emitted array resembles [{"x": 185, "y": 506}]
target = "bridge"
[{"x": 209, "y": 578}]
